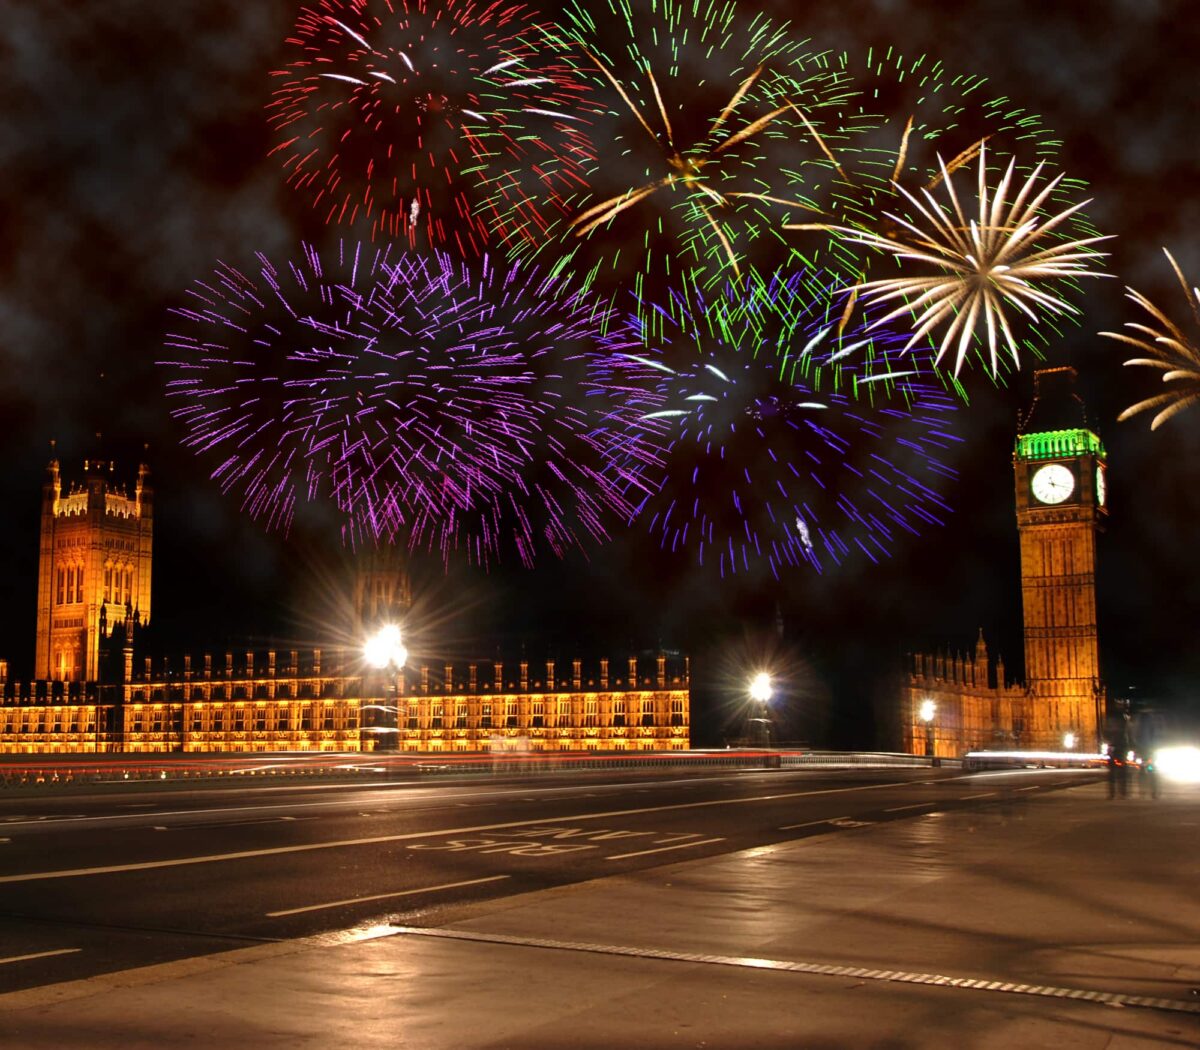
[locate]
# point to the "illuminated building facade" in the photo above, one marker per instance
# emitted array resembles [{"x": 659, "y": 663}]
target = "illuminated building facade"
[
  {"x": 1059, "y": 466},
  {"x": 93, "y": 567},
  {"x": 326, "y": 701},
  {"x": 91, "y": 693}
]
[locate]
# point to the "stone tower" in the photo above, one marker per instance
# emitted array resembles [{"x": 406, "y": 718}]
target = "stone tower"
[
  {"x": 94, "y": 567},
  {"x": 382, "y": 591},
  {"x": 1061, "y": 502}
]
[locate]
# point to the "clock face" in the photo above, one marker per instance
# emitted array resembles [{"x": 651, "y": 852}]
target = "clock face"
[
  {"x": 1101, "y": 486},
  {"x": 1052, "y": 483}
]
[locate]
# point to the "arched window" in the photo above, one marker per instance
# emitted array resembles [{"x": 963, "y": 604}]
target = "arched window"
[
  {"x": 79, "y": 583},
  {"x": 61, "y": 582}
]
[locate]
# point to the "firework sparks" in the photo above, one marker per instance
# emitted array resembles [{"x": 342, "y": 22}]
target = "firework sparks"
[
  {"x": 1171, "y": 351},
  {"x": 378, "y": 116},
  {"x": 687, "y": 180},
  {"x": 790, "y": 440},
  {"x": 981, "y": 265},
  {"x": 424, "y": 402},
  {"x": 899, "y": 116}
]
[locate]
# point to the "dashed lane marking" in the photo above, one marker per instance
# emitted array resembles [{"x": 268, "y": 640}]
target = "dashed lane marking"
[
  {"x": 978, "y": 984},
  {"x": 663, "y": 849},
  {"x": 915, "y": 805},
  {"x": 383, "y": 896},
  {"x": 986, "y": 794}
]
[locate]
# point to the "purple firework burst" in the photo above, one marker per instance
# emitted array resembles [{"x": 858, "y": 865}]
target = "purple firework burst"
[
  {"x": 431, "y": 403},
  {"x": 791, "y": 438}
]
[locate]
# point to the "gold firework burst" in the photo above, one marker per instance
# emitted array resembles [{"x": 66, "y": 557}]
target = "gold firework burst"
[
  {"x": 1170, "y": 350},
  {"x": 981, "y": 266},
  {"x": 686, "y": 167}
]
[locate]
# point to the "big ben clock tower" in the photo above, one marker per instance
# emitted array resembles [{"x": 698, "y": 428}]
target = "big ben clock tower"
[{"x": 1059, "y": 464}]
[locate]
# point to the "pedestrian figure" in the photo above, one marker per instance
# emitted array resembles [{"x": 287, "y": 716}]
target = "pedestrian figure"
[{"x": 1118, "y": 768}]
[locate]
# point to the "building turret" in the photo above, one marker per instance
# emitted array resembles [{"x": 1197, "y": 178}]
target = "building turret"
[{"x": 96, "y": 552}]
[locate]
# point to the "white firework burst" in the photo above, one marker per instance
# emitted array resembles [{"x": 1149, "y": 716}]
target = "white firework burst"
[
  {"x": 981, "y": 266},
  {"x": 1170, "y": 350}
]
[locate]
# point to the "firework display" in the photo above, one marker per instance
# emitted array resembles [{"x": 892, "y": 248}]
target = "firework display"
[
  {"x": 791, "y": 439},
  {"x": 900, "y": 117},
  {"x": 1170, "y": 350},
  {"x": 703, "y": 121},
  {"x": 378, "y": 113},
  {"x": 430, "y": 402},
  {"x": 734, "y": 267},
  {"x": 970, "y": 270}
]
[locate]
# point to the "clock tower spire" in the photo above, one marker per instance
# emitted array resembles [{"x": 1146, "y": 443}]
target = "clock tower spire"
[{"x": 1059, "y": 465}]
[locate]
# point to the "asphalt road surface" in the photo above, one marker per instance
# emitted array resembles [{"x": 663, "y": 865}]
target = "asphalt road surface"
[{"x": 95, "y": 883}]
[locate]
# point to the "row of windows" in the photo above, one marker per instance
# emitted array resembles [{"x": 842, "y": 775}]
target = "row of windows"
[
  {"x": 118, "y": 584},
  {"x": 281, "y": 721},
  {"x": 34, "y": 721},
  {"x": 330, "y": 689},
  {"x": 67, "y": 663},
  {"x": 69, "y": 585}
]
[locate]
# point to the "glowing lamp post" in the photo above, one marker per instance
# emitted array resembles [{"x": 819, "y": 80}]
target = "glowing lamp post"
[
  {"x": 385, "y": 651},
  {"x": 1069, "y": 741},
  {"x": 927, "y": 711},
  {"x": 761, "y": 690}
]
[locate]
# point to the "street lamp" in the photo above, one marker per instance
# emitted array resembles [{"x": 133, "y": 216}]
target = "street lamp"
[
  {"x": 1069, "y": 741},
  {"x": 927, "y": 711},
  {"x": 385, "y": 650},
  {"x": 761, "y": 691}
]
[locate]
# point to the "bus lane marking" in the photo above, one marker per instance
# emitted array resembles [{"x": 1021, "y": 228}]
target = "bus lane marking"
[
  {"x": 519, "y": 848},
  {"x": 372, "y": 840},
  {"x": 555, "y": 841}
]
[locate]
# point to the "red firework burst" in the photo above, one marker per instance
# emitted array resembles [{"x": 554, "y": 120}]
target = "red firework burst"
[{"x": 381, "y": 113}]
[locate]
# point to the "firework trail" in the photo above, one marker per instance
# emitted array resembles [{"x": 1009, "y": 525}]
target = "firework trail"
[
  {"x": 970, "y": 271},
  {"x": 1171, "y": 351},
  {"x": 427, "y": 402},
  {"x": 791, "y": 439},
  {"x": 703, "y": 118},
  {"x": 378, "y": 111}
]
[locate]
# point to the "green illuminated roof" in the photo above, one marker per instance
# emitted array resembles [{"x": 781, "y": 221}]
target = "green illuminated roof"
[{"x": 1055, "y": 444}]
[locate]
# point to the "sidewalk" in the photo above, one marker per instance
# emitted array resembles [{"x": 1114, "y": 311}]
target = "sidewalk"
[{"x": 848, "y": 939}]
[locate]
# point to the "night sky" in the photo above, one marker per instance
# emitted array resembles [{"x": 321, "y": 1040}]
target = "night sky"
[{"x": 133, "y": 158}]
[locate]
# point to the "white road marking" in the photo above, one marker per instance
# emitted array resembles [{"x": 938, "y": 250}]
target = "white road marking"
[
  {"x": 663, "y": 849},
  {"x": 986, "y": 794},
  {"x": 215, "y": 858},
  {"x": 915, "y": 805},
  {"x": 222, "y": 824},
  {"x": 383, "y": 896},
  {"x": 811, "y": 823},
  {"x": 39, "y": 955}
]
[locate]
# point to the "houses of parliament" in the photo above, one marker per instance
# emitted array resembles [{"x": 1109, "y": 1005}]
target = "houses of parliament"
[{"x": 94, "y": 690}]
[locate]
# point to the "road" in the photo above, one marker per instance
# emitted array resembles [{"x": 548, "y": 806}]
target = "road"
[{"x": 96, "y": 883}]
